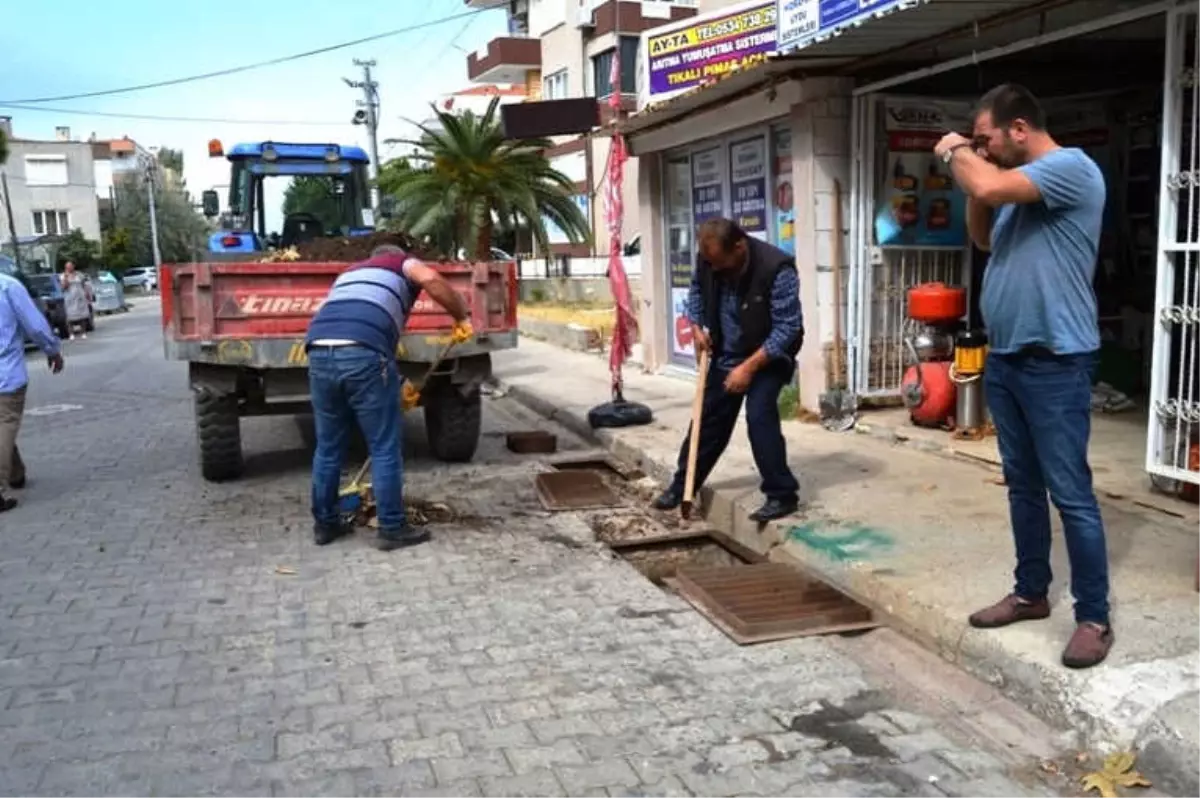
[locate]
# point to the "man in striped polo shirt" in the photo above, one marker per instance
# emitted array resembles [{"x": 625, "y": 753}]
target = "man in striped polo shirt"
[{"x": 352, "y": 377}]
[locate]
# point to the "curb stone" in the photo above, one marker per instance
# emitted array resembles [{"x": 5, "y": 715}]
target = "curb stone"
[{"x": 1167, "y": 754}]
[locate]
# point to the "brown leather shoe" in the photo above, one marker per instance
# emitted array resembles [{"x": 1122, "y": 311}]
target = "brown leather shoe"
[
  {"x": 1088, "y": 646},
  {"x": 1010, "y": 609}
]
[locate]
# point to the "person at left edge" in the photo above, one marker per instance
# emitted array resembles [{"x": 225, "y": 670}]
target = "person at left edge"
[
  {"x": 19, "y": 318},
  {"x": 744, "y": 308},
  {"x": 352, "y": 377}
]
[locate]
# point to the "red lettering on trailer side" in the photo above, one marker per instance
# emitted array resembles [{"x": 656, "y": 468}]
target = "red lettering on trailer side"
[{"x": 278, "y": 305}]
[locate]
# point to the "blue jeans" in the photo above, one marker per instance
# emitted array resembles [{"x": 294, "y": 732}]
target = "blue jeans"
[
  {"x": 352, "y": 384},
  {"x": 1041, "y": 405},
  {"x": 719, "y": 417}
]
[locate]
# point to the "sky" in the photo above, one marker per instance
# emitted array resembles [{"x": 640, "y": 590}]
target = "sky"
[{"x": 101, "y": 46}]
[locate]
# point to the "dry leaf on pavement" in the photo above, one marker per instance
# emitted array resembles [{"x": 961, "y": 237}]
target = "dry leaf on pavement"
[
  {"x": 283, "y": 570},
  {"x": 1117, "y": 772}
]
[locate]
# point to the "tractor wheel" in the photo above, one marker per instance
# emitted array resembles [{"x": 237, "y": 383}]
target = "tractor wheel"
[
  {"x": 452, "y": 423},
  {"x": 219, "y": 433}
]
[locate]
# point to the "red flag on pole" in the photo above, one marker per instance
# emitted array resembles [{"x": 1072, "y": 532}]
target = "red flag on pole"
[{"x": 625, "y": 326}]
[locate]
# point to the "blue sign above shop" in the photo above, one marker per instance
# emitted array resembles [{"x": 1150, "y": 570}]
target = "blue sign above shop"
[{"x": 800, "y": 22}]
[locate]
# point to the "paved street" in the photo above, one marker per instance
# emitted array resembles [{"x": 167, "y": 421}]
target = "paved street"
[{"x": 150, "y": 644}]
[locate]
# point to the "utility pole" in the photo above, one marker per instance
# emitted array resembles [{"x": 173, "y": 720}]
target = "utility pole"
[
  {"x": 150, "y": 172},
  {"x": 369, "y": 116},
  {"x": 12, "y": 227}
]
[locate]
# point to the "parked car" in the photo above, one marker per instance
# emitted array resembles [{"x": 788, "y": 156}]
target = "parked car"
[
  {"x": 48, "y": 288},
  {"x": 109, "y": 294},
  {"x": 9, "y": 266},
  {"x": 144, "y": 278}
]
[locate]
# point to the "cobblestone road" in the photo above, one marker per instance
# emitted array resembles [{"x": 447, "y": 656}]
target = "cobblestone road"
[{"x": 150, "y": 645}]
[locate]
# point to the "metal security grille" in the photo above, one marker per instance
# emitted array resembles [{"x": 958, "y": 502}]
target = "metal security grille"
[
  {"x": 879, "y": 279},
  {"x": 1175, "y": 372}
]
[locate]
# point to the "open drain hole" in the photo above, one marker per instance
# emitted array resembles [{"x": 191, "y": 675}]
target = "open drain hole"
[
  {"x": 602, "y": 466},
  {"x": 658, "y": 554},
  {"x": 749, "y": 598}
]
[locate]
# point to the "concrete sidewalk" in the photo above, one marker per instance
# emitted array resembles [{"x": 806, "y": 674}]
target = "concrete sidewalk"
[{"x": 925, "y": 538}]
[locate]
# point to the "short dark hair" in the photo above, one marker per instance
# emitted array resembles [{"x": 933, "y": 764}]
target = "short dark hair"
[
  {"x": 1009, "y": 102},
  {"x": 725, "y": 231}
]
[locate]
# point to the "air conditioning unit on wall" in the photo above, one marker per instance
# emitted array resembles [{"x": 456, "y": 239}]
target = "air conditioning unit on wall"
[{"x": 585, "y": 20}]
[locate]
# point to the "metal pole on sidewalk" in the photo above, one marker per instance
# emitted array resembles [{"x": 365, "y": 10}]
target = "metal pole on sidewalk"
[
  {"x": 153, "y": 216},
  {"x": 12, "y": 227},
  {"x": 370, "y": 105}
]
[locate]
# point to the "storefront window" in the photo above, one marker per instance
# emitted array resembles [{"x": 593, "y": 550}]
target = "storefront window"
[
  {"x": 785, "y": 211},
  {"x": 679, "y": 255},
  {"x": 748, "y": 185}
]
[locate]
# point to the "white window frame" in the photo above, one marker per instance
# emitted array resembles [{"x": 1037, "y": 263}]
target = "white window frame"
[
  {"x": 560, "y": 79},
  {"x": 44, "y": 215},
  {"x": 35, "y": 160}
]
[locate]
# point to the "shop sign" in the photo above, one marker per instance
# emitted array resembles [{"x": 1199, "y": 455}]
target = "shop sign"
[
  {"x": 917, "y": 201},
  {"x": 803, "y": 21},
  {"x": 708, "y": 200},
  {"x": 785, "y": 210},
  {"x": 706, "y": 48},
  {"x": 748, "y": 185}
]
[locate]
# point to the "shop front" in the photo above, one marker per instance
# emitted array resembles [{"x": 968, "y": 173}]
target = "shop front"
[
  {"x": 744, "y": 176},
  {"x": 860, "y": 97}
]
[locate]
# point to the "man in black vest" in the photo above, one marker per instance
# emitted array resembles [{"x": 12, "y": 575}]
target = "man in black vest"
[{"x": 744, "y": 306}]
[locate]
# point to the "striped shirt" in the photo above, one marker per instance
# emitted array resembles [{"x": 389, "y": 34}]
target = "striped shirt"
[{"x": 368, "y": 305}]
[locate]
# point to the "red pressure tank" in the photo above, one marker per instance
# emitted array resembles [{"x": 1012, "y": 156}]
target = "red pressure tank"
[
  {"x": 937, "y": 304},
  {"x": 929, "y": 393}
]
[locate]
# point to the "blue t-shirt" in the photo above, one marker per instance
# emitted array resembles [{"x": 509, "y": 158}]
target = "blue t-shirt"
[{"x": 1037, "y": 289}]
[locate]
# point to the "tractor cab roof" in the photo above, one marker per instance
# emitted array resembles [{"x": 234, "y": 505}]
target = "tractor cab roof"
[{"x": 275, "y": 150}]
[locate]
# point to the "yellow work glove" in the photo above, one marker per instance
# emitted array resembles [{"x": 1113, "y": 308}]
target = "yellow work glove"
[
  {"x": 410, "y": 397},
  {"x": 462, "y": 332}
]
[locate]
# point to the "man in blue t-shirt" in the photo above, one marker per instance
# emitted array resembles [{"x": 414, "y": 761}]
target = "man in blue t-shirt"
[{"x": 1037, "y": 207}]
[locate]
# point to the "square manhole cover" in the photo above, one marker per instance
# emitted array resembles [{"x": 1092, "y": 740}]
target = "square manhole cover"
[
  {"x": 574, "y": 490},
  {"x": 769, "y": 601}
]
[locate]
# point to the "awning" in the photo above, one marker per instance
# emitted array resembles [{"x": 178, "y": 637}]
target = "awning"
[{"x": 903, "y": 36}]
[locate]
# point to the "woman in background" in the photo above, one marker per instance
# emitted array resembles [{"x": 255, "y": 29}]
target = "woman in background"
[{"x": 77, "y": 295}]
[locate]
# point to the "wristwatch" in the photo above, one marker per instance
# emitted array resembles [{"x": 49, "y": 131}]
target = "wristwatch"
[{"x": 948, "y": 155}]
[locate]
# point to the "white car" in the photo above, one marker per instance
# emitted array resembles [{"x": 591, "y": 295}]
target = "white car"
[{"x": 142, "y": 277}]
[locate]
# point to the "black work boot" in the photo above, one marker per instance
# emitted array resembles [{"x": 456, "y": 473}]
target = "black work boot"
[
  {"x": 6, "y": 503},
  {"x": 774, "y": 509},
  {"x": 324, "y": 534},
  {"x": 669, "y": 499},
  {"x": 408, "y": 535}
]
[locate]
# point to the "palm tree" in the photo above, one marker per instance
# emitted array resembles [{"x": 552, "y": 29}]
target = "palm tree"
[{"x": 467, "y": 178}]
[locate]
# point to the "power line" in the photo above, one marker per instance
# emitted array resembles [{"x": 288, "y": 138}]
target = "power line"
[
  {"x": 158, "y": 118},
  {"x": 247, "y": 67}
]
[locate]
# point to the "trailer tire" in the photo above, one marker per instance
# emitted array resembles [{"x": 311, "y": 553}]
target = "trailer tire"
[
  {"x": 452, "y": 424},
  {"x": 219, "y": 434}
]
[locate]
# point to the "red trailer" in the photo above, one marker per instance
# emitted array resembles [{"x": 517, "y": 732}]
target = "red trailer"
[{"x": 241, "y": 326}]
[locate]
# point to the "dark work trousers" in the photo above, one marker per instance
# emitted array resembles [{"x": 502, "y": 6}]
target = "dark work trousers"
[{"x": 718, "y": 419}]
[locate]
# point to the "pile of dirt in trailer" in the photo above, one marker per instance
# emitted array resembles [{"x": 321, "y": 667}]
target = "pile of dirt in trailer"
[{"x": 357, "y": 248}]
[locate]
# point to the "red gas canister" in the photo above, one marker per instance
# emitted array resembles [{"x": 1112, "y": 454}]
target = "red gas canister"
[
  {"x": 929, "y": 393},
  {"x": 936, "y": 303}
]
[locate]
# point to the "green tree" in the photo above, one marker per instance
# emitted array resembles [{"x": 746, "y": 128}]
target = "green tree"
[
  {"x": 3, "y": 148},
  {"x": 314, "y": 194},
  {"x": 468, "y": 179},
  {"x": 171, "y": 159},
  {"x": 118, "y": 251},
  {"x": 78, "y": 249},
  {"x": 182, "y": 231}
]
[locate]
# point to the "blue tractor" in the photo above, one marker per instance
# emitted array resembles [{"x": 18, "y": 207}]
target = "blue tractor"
[{"x": 244, "y": 225}]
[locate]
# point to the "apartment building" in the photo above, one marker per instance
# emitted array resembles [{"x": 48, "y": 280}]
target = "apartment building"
[
  {"x": 562, "y": 49},
  {"x": 51, "y": 187}
]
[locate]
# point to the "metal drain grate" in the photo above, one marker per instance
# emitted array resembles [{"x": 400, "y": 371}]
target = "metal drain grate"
[
  {"x": 573, "y": 490},
  {"x": 769, "y": 601}
]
